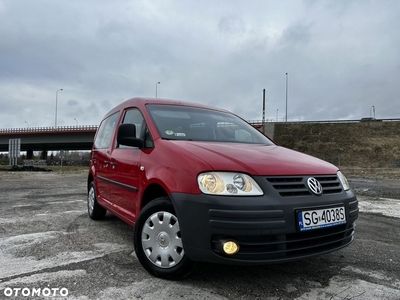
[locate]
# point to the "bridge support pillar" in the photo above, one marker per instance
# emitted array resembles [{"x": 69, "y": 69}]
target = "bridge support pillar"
[
  {"x": 29, "y": 154},
  {"x": 43, "y": 155}
]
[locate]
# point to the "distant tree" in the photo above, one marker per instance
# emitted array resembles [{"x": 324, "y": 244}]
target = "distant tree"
[
  {"x": 74, "y": 155},
  {"x": 85, "y": 155}
]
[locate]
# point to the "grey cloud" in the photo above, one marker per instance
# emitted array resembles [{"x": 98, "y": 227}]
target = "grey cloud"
[
  {"x": 341, "y": 56},
  {"x": 232, "y": 25},
  {"x": 298, "y": 34},
  {"x": 72, "y": 103}
]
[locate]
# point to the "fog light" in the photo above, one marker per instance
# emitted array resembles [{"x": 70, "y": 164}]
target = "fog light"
[{"x": 230, "y": 248}]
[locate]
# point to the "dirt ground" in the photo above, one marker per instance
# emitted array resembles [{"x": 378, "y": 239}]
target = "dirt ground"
[{"x": 48, "y": 241}]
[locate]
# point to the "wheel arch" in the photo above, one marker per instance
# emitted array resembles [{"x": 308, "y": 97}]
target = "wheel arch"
[
  {"x": 152, "y": 192},
  {"x": 89, "y": 180}
]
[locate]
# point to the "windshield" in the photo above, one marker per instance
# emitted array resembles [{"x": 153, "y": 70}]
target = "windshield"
[{"x": 198, "y": 124}]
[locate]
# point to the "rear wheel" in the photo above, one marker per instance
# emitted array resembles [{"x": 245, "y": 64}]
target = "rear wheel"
[
  {"x": 95, "y": 211},
  {"x": 158, "y": 242}
]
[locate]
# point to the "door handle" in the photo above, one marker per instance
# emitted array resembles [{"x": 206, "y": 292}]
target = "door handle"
[{"x": 113, "y": 164}]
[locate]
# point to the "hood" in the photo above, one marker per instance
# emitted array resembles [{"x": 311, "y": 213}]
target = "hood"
[{"x": 256, "y": 159}]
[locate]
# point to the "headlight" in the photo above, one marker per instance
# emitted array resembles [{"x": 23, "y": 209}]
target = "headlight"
[
  {"x": 227, "y": 183},
  {"x": 343, "y": 180}
]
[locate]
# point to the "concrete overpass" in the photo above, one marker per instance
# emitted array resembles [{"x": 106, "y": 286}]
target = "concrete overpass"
[
  {"x": 49, "y": 138},
  {"x": 68, "y": 137}
]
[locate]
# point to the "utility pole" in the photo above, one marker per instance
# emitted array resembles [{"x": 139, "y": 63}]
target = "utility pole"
[
  {"x": 263, "y": 114},
  {"x": 287, "y": 83}
]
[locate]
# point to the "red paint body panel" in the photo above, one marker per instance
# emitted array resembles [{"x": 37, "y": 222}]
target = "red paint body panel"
[
  {"x": 175, "y": 164},
  {"x": 253, "y": 159}
]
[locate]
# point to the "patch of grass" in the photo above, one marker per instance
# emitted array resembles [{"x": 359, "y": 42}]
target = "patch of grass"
[
  {"x": 359, "y": 144},
  {"x": 4, "y": 167},
  {"x": 68, "y": 169}
]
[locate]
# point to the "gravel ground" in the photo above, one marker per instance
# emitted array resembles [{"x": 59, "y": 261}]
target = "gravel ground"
[
  {"x": 376, "y": 187},
  {"x": 48, "y": 242}
]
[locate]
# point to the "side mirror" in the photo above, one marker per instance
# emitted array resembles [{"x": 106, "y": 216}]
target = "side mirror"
[{"x": 127, "y": 136}]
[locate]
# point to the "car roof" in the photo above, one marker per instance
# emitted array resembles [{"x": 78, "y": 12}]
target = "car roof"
[{"x": 141, "y": 102}]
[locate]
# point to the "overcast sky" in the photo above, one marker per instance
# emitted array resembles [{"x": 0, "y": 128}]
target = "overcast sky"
[{"x": 342, "y": 57}]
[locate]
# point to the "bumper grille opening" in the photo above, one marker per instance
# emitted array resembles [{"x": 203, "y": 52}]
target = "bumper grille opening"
[{"x": 272, "y": 248}]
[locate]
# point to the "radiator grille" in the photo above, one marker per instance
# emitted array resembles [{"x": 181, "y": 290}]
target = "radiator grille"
[{"x": 297, "y": 185}]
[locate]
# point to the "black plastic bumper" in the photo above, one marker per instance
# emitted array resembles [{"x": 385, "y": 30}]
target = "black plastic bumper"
[{"x": 265, "y": 227}]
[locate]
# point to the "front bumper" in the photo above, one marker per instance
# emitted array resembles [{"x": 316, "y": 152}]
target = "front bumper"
[{"x": 265, "y": 227}]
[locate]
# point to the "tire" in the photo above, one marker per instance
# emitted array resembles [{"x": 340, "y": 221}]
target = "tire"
[
  {"x": 158, "y": 243},
  {"x": 95, "y": 211}
]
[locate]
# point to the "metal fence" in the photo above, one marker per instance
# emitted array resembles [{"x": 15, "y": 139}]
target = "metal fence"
[
  {"x": 49, "y": 129},
  {"x": 94, "y": 127},
  {"x": 260, "y": 122}
]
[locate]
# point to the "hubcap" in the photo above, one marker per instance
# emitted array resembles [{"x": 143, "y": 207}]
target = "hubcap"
[{"x": 161, "y": 240}]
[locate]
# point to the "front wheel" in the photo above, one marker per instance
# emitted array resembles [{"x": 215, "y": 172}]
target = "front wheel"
[
  {"x": 95, "y": 211},
  {"x": 158, "y": 243}
]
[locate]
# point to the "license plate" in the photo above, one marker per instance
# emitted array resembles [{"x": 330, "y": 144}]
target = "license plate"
[{"x": 321, "y": 218}]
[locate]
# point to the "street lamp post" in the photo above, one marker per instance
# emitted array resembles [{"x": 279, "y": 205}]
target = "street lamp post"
[
  {"x": 372, "y": 110},
  {"x": 277, "y": 110},
  {"x": 287, "y": 83},
  {"x": 27, "y": 123},
  {"x": 76, "y": 121},
  {"x": 156, "y": 87},
  {"x": 55, "y": 122}
]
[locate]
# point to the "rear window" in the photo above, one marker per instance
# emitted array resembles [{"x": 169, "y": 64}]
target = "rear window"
[{"x": 199, "y": 124}]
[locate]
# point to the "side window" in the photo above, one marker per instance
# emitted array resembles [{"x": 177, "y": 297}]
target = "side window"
[
  {"x": 105, "y": 132},
  {"x": 134, "y": 116}
]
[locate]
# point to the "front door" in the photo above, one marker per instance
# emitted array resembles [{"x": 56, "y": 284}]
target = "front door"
[{"x": 125, "y": 171}]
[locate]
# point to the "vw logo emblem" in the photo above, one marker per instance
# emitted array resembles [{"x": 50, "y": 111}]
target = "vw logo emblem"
[{"x": 314, "y": 186}]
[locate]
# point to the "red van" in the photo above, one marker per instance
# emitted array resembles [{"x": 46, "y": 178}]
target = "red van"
[{"x": 200, "y": 184}]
